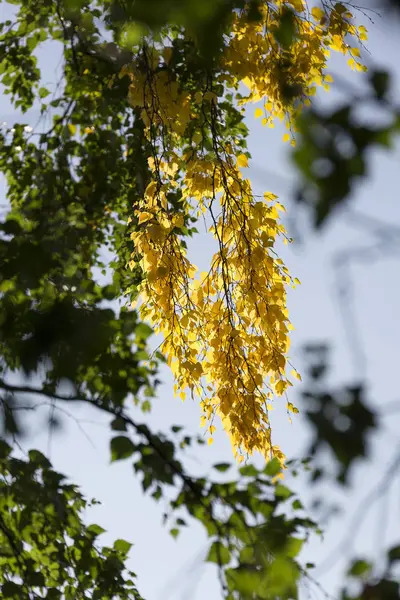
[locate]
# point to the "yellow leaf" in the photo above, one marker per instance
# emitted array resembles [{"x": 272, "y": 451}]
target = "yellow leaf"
[
  {"x": 210, "y": 441},
  {"x": 296, "y": 374},
  {"x": 286, "y": 137},
  {"x": 352, "y": 63},
  {"x": 145, "y": 216},
  {"x": 247, "y": 82},
  {"x": 164, "y": 202},
  {"x": 179, "y": 221},
  {"x": 317, "y": 13},
  {"x": 258, "y": 112},
  {"x": 280, "y": 387},
  {"x": 269, "y": 196},
  {"x": 242, "y": 161},
  {"x": 363, "y": 32},
  {"x": 72, "y": 128},
  {"x": 297, "y": 4}
]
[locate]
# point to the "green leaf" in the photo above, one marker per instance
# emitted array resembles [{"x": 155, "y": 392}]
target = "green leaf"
[
  {"x": 174, "y": 532},
  {"x": 143, "y": 331},
  {"x": 176, "y": 428},
  {"x": 43, "y": 92},
  {"x": 248, "y": 471},
  {"x": 273, "y": 467},
  {"x": 95, "y": 529},
  {"x": 218, "y": 554},
  {"x": 122, "y": 546},
  {"x": 293, "y": 546},
  {"x": 146, "y": 406},
  {"x": 222, "y": 467},
  {"x": 283, "y": 575},
  {"x": 37, "y": 457},
  {"x": 246, "y": 581},
  {"x": 5, "y": 450},
  {"x": 359, "y": 568},
  {"x": 286, "y": 30},
  {"x": 118, "y": 424},
  {"x": 121, "y": 447},
  {"x": 281, "y": 491},
  {"x": 394, "y": 554}
]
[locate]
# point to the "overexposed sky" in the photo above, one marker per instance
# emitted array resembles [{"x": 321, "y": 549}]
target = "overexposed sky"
[{"x": 172, "y": 569}]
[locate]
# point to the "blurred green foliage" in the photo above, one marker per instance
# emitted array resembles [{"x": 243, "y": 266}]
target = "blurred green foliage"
[{"x": 334, "y": 146}]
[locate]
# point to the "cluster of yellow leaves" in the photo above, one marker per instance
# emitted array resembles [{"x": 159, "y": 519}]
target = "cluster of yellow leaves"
[
  {"x": 254, "y": 57},
  {"x": 225, "y": 331},
  {"x": 161, "y": 100}
]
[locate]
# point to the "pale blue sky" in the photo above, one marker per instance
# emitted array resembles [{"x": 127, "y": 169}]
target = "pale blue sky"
[{"x": 169, "y": 569}]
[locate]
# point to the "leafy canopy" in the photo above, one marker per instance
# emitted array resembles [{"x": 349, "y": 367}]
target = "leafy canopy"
[
  {"x": 147, "y": 138},
  {"x": 131, "y": 180}
]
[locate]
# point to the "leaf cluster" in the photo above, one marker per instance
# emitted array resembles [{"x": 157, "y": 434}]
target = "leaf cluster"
[{"x": 46, "y": 550}]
